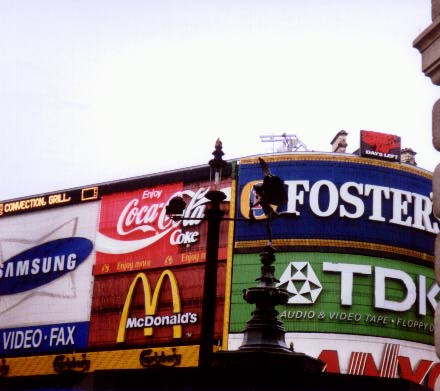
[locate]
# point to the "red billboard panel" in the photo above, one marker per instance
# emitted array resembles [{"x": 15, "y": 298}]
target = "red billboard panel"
[
  {"x": 154, "y": 307},
  {"x": 380, "y": 145},
  {"x": 136, "y": 234}
]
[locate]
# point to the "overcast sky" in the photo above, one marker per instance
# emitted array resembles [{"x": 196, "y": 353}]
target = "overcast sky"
[{"x": 99, "y": 90}]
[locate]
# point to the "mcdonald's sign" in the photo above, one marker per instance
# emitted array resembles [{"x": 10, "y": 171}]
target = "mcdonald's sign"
[
  {"x": 150, "y": 320},
  {"x": 153, "y": 307}
]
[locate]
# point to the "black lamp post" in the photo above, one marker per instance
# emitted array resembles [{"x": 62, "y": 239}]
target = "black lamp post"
[{"x": 214, "y": 216}]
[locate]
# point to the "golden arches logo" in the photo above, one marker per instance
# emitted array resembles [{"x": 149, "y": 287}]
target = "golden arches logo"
[{"x": 151, "y": 302}]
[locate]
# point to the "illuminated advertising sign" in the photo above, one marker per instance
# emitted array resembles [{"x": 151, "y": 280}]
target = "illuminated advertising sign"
[
  {"x": 367, "y": 356},
  {"x": 87, "y": 362},
  {"x": 46, "y": 281},
  {"x": 151, "y": 301},
  {"x": 342, "y": 293},
  {"x": 45, "y": 338},
  {"x": 48, "y": 201},
  {"x": 136, "y": 234},
  {"x": 343, "y": 202},
  {"x": 153, "y": 307},
  {"x": 380, "y": 145}
]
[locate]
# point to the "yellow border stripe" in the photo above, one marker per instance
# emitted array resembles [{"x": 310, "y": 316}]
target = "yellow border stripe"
[
  {"x": 336, "y": 243},
  {"x": 334, "y": 157},
  {"x": 103, "y": 360},
  {"x": 228, "y": 277}
]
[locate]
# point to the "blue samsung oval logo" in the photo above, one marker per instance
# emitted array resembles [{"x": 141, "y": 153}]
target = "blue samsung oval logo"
[{"x": 42, "y": 264}]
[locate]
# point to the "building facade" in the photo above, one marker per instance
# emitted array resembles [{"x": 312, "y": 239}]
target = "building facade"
[{"x": 101, "y": 280}]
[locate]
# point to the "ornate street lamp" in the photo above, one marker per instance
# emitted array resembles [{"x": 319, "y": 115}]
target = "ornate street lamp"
[
  {"x": 264, "y": 342},
  {"x": 214, "y": 216}
]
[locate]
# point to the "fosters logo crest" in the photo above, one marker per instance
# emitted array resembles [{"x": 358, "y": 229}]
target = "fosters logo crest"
[{"x": 151, "y": 302}]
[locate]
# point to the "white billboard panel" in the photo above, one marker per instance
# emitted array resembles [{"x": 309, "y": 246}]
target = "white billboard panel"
[{"x": 46, "y": 261}]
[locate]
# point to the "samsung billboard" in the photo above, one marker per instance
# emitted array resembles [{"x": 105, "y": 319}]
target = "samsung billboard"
[{"x": 46, "y": 281}]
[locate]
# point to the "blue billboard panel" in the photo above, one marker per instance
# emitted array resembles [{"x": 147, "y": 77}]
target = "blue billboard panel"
[
  {"x": 341, "y": 202},
  {"x": 47, "y": 338}
]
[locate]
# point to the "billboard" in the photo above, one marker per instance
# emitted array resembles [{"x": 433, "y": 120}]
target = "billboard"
[
  {"x": 101, "y": 278},
  {"x": 154, "y": 307},
  {"x": 361, "y": 315},
  {"x": 367, "y": 356},
  {"x": 344, "y": 293},
  {"x": 341, "y": 202},
  {"x": 49, "y": 201},
  {"x": 149, "y": 270},
  {"x": 136, "y": 234},
  {"x": 378, "y": 145},
  {"x": 46, "y": 282},
  {"x": 354, "y": 250},
  {"x": 86, "y": 362}
]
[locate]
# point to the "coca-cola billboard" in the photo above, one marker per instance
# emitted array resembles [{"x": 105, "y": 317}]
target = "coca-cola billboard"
[{"x": 135, "y": 232}]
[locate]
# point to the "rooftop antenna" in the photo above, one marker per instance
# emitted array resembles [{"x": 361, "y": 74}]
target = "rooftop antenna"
[{"x": 286, "y": 142}]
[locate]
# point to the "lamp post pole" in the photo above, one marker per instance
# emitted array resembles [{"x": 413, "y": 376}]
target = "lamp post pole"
[{"x": 214, "y": 217}]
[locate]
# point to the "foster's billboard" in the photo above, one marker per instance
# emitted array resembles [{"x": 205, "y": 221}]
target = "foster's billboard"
[{"x": 342, "y": 202}]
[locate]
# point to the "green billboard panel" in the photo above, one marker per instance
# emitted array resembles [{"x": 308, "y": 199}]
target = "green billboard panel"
[{"x": 343, "y": 293}]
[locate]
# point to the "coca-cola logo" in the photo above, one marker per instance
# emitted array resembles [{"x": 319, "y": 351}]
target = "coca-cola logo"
[
  {"x": 142, "y": 218},
  {"x": 153, "y": 218},
  {"x": 143, "y": 221}
]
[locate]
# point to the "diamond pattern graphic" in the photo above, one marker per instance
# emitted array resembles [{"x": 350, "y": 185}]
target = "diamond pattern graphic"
[{"x": 299, "y": 279}]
